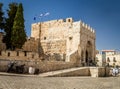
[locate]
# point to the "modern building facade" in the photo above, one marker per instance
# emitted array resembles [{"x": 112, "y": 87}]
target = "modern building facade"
[{"x": 111, "y": 57}]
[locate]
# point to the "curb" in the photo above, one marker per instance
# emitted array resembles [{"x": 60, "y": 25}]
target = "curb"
[{"x": 13, "y": 74}]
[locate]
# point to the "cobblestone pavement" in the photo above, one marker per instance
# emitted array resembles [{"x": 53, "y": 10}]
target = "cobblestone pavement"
[{"x": 36, "y": 82}]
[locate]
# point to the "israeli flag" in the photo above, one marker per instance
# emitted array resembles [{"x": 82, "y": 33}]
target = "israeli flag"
[
  {"x": 46, "y": 14},
  {"x": 41, "y": 15}
]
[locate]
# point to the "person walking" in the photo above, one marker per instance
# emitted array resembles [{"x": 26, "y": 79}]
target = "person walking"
[{"x": 115, "y": 71}]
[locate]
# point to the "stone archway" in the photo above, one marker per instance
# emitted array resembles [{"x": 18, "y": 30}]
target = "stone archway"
[{"x": 88, "y": 52}]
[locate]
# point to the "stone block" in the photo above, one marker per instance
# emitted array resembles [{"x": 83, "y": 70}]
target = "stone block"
[{"x": 99, "y": 71}]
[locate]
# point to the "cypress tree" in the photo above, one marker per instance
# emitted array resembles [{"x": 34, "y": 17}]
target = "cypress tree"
[
  {"x": 18, "y": 36},
  {"x": 11, "y": 12},
  {"x": 1, "y": 17}
]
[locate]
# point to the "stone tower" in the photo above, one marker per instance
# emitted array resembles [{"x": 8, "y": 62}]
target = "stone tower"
[{"x": 66, "y": 40}]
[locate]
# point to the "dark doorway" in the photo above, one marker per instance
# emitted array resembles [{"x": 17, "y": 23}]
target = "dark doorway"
[
  {"x": 25, "y": 53},
  {"x": 17, "y": 53},
  {"x": 8, "y": 54},
  {"x": 0, "y": 53},
  {"x": 86, "y": 59}
]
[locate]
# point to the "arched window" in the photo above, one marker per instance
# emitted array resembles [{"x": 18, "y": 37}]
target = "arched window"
[
  {"x": 70, "y": 38},
  {"x": 25, "y": 53},
  {"x": 17, "y": 53},
  {"x": 108, "y": 59},
  {"x": 114, "y": 59},
  {"x": 88, "y": 43},
  {"x": 44, "y": 38},
  {"x": 69, "y": 20}
]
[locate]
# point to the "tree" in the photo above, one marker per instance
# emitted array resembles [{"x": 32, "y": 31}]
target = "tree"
[
  {"x": 11, "y": 12},
  {"x": 18, "y": 35},
  {"x": 1, "y": 17}
]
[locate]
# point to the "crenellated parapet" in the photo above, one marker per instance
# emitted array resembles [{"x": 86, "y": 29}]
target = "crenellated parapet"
[
  {"x": 54, "y": 23},
  {"x": 60, "y": 27},
  {"x": 87, "y": 27}
]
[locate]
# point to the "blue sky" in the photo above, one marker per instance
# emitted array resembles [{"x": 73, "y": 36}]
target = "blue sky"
[{"x": 102, "y": 15}]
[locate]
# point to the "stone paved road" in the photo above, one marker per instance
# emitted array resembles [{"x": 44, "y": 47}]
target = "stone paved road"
[{"x": 36, "y": 82}]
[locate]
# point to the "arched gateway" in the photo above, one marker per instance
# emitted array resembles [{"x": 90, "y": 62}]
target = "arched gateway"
[{"x": 87, "y": 53}]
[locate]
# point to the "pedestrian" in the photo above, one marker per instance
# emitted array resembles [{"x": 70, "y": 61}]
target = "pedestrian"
[
  {"x": 115, "y": 71},
  {"x": 10, "y": 66},
  {"x": 31, "y": 70}
]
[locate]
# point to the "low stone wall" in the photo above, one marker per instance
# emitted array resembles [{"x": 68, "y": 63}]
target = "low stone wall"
[
  {"x": 47, "y": 66},
  {"x": 43, "y": 66},
  {"x": 24, "y": 55},
  {"x": 99, "y": 71},
  {"x": 18, "y": 54},
  {"x": 52, "y": 66},
  {"x": 80, "y": 72},
  {"x": 3, "y": 66}
]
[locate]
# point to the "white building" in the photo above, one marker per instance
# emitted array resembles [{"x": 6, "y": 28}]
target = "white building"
[{"x": 111, "y": 57}]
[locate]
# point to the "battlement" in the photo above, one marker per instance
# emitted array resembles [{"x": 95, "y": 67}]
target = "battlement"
[
  {"x": 64, "y": 23},
  {"x": 60, "y": 29},
  {"x": 69, "y": 20},
  {"x": 86, "y": 26},
  {"x": 54, "y": 23}
]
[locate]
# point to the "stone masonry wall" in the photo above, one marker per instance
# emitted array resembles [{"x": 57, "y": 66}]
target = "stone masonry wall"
[
  {"x": 74, "y": 36},
  {"x": 54, "y": 46},
  {"x": 19, "y": 55},
  {"x": 43, "y": 66}
]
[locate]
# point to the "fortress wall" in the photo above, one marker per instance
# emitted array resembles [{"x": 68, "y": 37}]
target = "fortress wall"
[
  {"x": 73, "y": 33},
  {"x": 87, "y": 34},
  {"x": 87, "y": 41},
  {"x": 54, "y": 26},
  {"x": 54, "y": 46},
  {"x": 18, "y": 55},
  {"x": 31, "y": 45},
  {"x": 87, "y": 30},
  {"x": 43, "y": 66}
]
